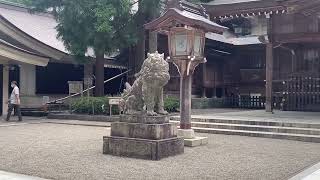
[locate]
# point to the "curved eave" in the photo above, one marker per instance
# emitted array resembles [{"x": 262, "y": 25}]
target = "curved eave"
[
  {"x": 18, "y": 55},
  {"x": 16, "y": 33},
  {"x": 183, "y": 17}
]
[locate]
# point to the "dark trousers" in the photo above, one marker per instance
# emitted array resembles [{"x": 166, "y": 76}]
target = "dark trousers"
[{"x": 16, "y": 110}]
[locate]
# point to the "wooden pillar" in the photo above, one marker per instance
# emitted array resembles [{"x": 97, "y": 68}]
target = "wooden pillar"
[
  {"x": 28, "y": 80},
  {"x": 185, "y": 101},
  {"x": 5, "y": 91},
  {"x": 269, "y": 66},
  {"x": 269, "y": 76},
  {"x": 204, "y": 73}
]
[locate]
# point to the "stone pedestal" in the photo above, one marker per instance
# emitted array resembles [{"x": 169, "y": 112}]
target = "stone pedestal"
[
  {"x": 145, "y": 137},
  {"x": 190, "y": 139}
]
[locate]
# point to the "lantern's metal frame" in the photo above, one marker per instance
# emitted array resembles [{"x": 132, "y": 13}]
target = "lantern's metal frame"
[{"x": 186, "y": 64}]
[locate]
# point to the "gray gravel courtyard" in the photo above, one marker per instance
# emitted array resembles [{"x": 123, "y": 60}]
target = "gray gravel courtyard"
[{"x": 75, "y": 152}]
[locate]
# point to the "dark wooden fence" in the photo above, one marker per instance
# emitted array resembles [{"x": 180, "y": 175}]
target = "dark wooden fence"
[
  {"x": 302, "y": 93},
  {"x": 248, "y": 102}
]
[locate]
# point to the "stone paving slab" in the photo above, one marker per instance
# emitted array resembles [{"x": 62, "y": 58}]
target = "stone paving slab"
[
  {"x": 13, "y": 176},
  {"x": 313, "y": 176},
  {"x": 311, "y": 173},
  {"x": 64, "y": 152},
  {"x": 54, "y": 121}
]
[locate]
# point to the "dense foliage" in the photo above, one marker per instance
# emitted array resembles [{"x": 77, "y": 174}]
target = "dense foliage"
[{"x": 171, "y": 104}]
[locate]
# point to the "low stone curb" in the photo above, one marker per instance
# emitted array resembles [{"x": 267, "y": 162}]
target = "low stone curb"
[{"x": 84, "y": 117}]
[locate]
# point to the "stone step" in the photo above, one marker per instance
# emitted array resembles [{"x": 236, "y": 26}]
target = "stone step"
[
  {"x": 254, "y": 122},
  {"x": 277, "y": 129},
  {"x": 288, "y": 136}
]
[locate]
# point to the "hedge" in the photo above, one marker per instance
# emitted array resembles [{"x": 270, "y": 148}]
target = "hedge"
[
  {"x": 92, "y": 105},
  {"x": 100, "y": 105}
]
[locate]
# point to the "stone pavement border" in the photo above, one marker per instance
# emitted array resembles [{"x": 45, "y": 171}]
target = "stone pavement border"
[
  {"x": 312, "y": 173},
  {"x": 56, "y": 121},
  {"x": 13, "y": 176}
]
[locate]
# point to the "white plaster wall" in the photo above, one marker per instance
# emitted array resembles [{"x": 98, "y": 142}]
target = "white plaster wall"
[{"x": 27, "y": 79}]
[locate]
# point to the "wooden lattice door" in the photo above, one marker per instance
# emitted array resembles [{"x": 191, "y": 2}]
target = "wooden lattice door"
[{"x": 302, "y": 93}]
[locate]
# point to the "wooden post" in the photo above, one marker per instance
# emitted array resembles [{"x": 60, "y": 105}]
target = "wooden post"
[
  {"x": 269, "y": 66},
  {"x": 5, "y": 91},
  {"x": 185, "y": 101},
  {"x": 269, "y": 76},
  {"x": 204, "y": 72}
]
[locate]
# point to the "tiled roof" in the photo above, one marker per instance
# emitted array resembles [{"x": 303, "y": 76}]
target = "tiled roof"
[
  {"x": 26, "y": 56},
  {"x": 40, "y": 27},
  {"x": 18, "y": 48}
]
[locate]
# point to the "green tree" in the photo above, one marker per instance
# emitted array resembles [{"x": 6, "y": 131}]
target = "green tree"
[
  {"x": 147, "y": 11},
  {"x": 103, "y": 25}
]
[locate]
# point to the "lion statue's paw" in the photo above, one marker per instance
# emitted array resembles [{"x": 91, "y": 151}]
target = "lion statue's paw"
[
  {"x": 163, "y": 112},
  {"x": 151, "y": 113}
]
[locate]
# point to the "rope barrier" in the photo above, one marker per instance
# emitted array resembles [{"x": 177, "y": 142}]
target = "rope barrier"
[{"x": 62, "y": 99}]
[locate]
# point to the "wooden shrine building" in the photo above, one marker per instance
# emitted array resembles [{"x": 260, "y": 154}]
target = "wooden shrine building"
[{"x": 270, "y": 55}]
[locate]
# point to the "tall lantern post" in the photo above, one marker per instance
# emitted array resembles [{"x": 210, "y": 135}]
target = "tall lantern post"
[
  {"x": 186, "y": 47},
  {"x": 186, "y": 42}
]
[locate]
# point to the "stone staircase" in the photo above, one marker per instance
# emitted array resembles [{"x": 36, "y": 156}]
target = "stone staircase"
[{"x": 268, "y": 129}]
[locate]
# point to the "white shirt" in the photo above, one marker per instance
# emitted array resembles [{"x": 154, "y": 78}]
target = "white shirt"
[{"x": 14, "y": 93}]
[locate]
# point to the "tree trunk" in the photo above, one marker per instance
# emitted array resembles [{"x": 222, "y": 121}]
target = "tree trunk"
[
  {"x": 153, "y": 42},
  {"x": 141, "y": 44},
  {"x": 140, "y": 50},
  {"x": 99, "y": 90}
]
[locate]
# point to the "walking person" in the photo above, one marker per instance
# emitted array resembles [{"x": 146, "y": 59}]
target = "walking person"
[{"x": 14, "y": 102}]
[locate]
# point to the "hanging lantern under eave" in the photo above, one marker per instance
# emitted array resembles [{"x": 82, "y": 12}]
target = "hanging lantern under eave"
[{"x": 186, "y": 42}]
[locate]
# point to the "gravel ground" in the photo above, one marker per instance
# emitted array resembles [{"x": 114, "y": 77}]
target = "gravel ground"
[{"x": 75, "y": 152}]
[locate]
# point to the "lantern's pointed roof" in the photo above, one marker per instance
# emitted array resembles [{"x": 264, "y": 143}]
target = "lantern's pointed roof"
[{"x": 178, "y": 12}]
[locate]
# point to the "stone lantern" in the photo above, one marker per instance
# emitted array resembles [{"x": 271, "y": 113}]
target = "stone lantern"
[{"x": 186, "y": 27}]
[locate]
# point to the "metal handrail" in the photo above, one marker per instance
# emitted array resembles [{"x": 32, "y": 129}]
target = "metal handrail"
[{"x": 62, "y": 99}]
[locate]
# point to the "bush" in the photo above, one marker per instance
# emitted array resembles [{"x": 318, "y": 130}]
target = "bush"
[
  {"x": 171, "y": 104},
  {"x": 92, "y": 105},
  {"x": 100, "y": 105}
]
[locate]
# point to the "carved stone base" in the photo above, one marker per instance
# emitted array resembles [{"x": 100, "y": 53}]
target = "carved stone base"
[
  {"x": 143, "y": 118},
  {"x": 144, "y": 131},
  {"x": 143, "y": 148},
  {"x": 153, "y": 139}
]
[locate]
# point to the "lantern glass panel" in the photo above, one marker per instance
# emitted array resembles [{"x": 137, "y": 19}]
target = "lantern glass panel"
[
  {"x": 181, "y": 43},
  {"x": 197, "y": 45}
]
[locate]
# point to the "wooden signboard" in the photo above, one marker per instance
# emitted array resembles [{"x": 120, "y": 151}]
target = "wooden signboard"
[{"x": 75, "y": 87}]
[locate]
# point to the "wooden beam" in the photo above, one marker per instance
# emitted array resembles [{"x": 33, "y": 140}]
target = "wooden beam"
[
  {"x": 269, "y": 76},
  {"x": 297, "y": 37}
]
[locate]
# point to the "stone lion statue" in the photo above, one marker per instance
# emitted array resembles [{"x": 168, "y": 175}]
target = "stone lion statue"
[{"x": 146, "y": 93}]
